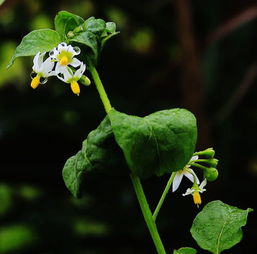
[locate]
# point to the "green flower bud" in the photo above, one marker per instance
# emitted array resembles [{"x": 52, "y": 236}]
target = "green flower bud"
[
  {"x": 78, "y": 29},
  {"x": 208, "y": 153},
  {"x": 211, "y": 174},
  {"x": 212, "y": 162},
  {"x": 84, "y": 80},
  {"x": 70, "y": 34}
]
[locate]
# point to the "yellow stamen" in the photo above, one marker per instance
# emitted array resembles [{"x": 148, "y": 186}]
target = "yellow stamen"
[
  {"x": 75, "y": 87},
  {"x": 197, "y": 198},
  {"x": 64, "y": 60},
  {"x": 35, "y": 82}
]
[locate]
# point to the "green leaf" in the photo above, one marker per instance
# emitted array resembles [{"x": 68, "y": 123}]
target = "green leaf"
[
  {"x": 89, "y": 39},
  {"x": 65, "y": 21},
  {"x": 99, "y": 153},
  {"x": 95, "y": 26},
  {"x": 218, "y": 226},
  {"x": 41, "y": 40},
  {"x": 160, "y": 143},
  {"x": 111, "y": 27},
  {"x": 185, "y": 250}
]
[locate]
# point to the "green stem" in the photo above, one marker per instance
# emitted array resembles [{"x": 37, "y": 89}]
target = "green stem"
[
  {"x": 136, "y": 181},
  {"x": 164, "y": 194},
  {"x": 100, "y": 89},
  {"x": 147, "y": 214}
]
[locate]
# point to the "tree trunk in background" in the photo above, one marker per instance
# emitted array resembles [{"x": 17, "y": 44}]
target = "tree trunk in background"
[{"x": 191, "y": 82}]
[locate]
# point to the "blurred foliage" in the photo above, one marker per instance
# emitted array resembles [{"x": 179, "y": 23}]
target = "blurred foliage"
[{"x": 142, "y": 70}]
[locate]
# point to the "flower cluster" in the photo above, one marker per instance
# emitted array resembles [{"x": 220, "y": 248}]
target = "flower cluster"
[
  {"x": 61, "y": 63},
  {"x": 209, "y": 169}
]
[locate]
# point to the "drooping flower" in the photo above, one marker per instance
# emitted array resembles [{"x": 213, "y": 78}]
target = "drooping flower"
[
  {"x": 195, "y": 191},
  {"x": 64, "y": 54},
  {"x": 41, "y": 69},
  {"x": 67, "y": 75},
  {"x": 187, "y": 172}
]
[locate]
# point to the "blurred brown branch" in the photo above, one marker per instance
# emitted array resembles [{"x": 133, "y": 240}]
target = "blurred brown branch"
[
  {"x": 230, "y": 25},
  {"x": 238, "y": 95},
  {"x": 191, "y": 80}
]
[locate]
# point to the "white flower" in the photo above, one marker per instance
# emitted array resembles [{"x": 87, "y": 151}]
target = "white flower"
[
  {"x": 64, "y": 56},
  {"x": 195, "y": 191},
  {"x": 68, "y": 76},
  {"x": 41, "y": 69},
  {"x": 187, "y": 172}
]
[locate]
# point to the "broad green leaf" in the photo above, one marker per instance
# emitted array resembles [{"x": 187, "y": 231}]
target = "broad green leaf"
[
  {"x": 65, "y": 21},
  {"x": 90, "y": 40},
  {"x": 218, "y": 226},
  {"x": 185, "y": 250},
  {"x": 41, "y": 40},
  {"x": 159, "y": 143},
  {"x": 99, "y": 153}
]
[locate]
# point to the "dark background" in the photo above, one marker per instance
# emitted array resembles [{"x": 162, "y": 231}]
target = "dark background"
[{"x": 201, "y": 55}]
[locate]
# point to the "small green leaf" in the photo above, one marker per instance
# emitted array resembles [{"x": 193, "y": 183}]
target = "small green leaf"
[
  {"x": 111, "y": 27},
  {"x": 218, "y": 226},
  {"x": 99, "y": 153},
  {"x": 160, "y": 143},
  {"x": 41, "y": 40},
  {"x": 185, "y": 250},
  {"x": 95, "y": 26},
  {"x": 65, "y": 21}
]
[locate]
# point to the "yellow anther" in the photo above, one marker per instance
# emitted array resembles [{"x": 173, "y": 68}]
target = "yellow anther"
[
  {"x": 75, "y": 87},
  {"x": 197, "y": 198},
  {"x": 64, "y": 60},
  {"x": 35, "y": 82}
]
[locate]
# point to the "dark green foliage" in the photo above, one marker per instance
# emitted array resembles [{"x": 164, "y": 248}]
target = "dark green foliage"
[
  {"x": 160, "y": 143},
  {"x": 99, "y": 153}
]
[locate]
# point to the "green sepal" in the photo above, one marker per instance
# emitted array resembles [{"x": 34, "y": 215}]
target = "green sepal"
[
  {"x": 218, "y": 226},
  {"x": 162, "y": 142},
  {"x": 65, "y": 22},
  {"x": 41, "y": 40},
  {"x": 185, "y": 250},
  {"x": 99, "y": 153}
]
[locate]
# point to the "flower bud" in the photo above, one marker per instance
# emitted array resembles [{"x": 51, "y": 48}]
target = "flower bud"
[
  {"x": 208, "y": 153},
  {"x": 84, "y": 80},
  {"x": 211, "y": 174},
  {"x": 212, "y": 162},
  {"x": 70, "y": 34},
  {"x": 78, "y": 29}
]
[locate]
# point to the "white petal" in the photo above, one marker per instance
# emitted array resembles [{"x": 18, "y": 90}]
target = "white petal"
[
  {"x": 193, "y": 173},
  {"x": 176, "y": 181},
  {"x": 62, "y": 46},
  {"x": 194, "y": 158},
  {"x": 203, "y": 184},
  {"x": 65, "y": 71},
  {"x": 75, "y": 62},
  {"x": 189, "y": 176},
  {"x": 188, "y": 192},
  {"x": 47, "y": 67},
  {"x": 80, "y": 71},
  {"x": 37, "y": 61}
]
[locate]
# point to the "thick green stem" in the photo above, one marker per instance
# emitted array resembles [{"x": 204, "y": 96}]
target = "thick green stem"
[
  {"x": 147, "y": 214},
  {"x": 164, "y": 194},
  {"x": 100, "y": 89},
  {"x": 136, "y": 181}
]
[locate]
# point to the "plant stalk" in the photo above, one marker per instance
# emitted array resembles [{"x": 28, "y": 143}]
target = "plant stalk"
[
  {"x": 164, "y": 194},
  {"x": 101, "y": 90},
  {"x": 147, "y": 214}
]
